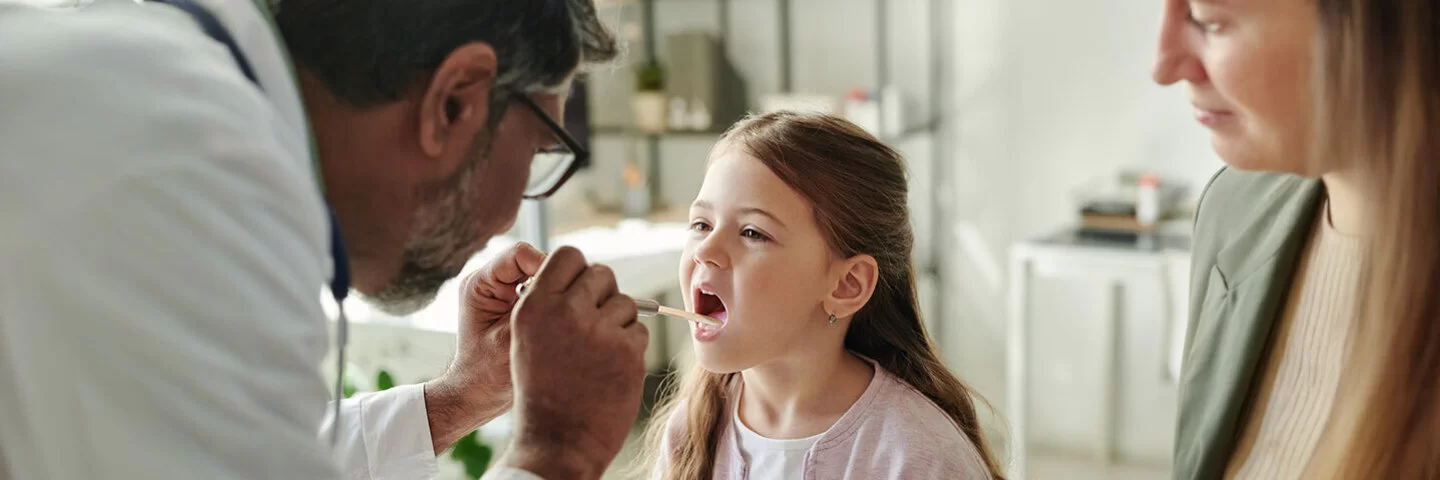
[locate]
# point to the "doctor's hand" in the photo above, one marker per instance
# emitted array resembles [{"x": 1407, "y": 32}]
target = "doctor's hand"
[
  {"x": 579, "y": 366},
  {"x": 477, "y": 387}
]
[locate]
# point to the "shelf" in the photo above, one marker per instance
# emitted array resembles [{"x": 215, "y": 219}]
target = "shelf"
[
  {"x": 612, "y": 130},
  {"x": 913, "y": 130},
  {"x": 603, "y": 4},
  {"x": 910, "y": 131}
]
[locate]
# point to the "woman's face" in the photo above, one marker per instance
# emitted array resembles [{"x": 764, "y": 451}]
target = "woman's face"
[
  {"x": 1246, "y": 66},
  {"x": 755, "y": 260}
]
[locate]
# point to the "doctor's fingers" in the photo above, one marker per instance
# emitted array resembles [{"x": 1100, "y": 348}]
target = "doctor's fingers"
[
  {"x": 500, "y": 275},
  {"x": 595, "y": 286},
  {"x": 560, "y": 270},
  {"x": 631, "y": 338},
  {"x": 619, "y": 311},
  {"x": 515, "y": 264},
  {"x": 637, "y": 335}
]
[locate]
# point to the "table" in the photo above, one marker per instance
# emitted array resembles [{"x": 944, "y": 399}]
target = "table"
[{"x": 1071, "y": 253}]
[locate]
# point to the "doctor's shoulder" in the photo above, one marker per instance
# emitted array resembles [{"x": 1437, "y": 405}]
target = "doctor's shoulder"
[
  {"x": 98, "y": 95},
  {"x": 112, "y": 43},
  {"x": 120, "y": 73},
  {"x": 128, "y": 104}
]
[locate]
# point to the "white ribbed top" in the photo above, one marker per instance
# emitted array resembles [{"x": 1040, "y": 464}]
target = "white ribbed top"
[{"x": 1302, "y": 368}]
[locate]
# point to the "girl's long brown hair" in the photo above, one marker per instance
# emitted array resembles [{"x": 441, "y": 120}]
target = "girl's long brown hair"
[
  {"x": 1378, "y": 101},
  {"x": 858, "y": 188}
]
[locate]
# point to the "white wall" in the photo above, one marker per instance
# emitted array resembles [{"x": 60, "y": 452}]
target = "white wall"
[{"x": 1046, "y": 95}]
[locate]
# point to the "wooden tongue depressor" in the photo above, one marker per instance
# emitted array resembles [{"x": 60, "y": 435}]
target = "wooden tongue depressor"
[{"x": 649, "y": 308}]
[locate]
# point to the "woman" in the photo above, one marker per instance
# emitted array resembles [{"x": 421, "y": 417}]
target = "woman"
[{"x": 1314, "y": 338}]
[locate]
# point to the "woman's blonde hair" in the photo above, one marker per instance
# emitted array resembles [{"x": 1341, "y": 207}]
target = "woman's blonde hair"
[
  {"x": 1378, "y": 114},
  {"x": 858, "y": 188}
]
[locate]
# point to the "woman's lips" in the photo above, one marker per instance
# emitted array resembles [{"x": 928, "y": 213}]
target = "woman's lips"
[{"x": 1212, "y": 118}]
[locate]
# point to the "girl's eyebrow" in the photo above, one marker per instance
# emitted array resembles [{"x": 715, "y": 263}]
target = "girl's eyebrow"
[{"x": 701, "y": 204}]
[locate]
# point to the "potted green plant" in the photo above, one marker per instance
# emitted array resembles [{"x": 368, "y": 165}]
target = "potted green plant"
[
  {"x": 473, "y": 454},
  {"x": 649, "y": 104}
]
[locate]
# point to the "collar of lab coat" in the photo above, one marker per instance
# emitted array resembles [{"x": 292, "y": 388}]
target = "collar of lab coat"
[
  {"x": 253, "y": 27},
  {"x": 295, "y": 83},
  {"x": 269, "y": 16}
]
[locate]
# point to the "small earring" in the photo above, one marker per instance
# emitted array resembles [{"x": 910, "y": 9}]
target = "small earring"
[{"x": 832, "y": 319}]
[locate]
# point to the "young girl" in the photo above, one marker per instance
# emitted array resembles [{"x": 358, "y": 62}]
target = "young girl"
[{"x": 800, "y": 243}]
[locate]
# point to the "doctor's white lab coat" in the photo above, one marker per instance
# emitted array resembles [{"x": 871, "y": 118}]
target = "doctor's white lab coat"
[{"x": 162, "y": 242}]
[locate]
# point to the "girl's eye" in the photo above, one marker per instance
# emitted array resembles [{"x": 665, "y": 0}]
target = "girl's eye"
[
  {"x": 699, "y": 226},
  {"x": 754, "y": 234}
]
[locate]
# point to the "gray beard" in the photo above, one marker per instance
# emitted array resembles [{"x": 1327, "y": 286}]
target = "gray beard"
[{"x": 444, "y": 240}]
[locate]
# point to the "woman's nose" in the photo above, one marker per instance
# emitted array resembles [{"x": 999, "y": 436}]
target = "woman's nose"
[{"x": 1176, "y": 58}]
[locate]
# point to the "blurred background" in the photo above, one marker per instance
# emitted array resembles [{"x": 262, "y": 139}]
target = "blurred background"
[{"x": 1051, "y": 187}]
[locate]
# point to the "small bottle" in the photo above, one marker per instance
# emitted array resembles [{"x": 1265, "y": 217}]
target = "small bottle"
[
  {"x": 679, "y": 114},
  {"x": 862, "y": 110},
  {"x": 699, "y": 115},
  {"x": 636, "y": 201},
  {"x": 1147, "y": 201}
]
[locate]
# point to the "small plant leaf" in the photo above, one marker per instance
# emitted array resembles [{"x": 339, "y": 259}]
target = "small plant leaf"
[{"x": 383, "y": 381}]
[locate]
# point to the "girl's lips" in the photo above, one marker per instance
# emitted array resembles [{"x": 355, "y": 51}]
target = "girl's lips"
[
  {"x": 711, "y": 305},
  {"x": 707, "y": 333}
]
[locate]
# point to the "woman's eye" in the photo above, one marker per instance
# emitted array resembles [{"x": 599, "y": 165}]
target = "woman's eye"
[
  {"x": 699, "y": 226},
  {"x": 1207, "y": 26},
  {"x": 754, "y": 234}
]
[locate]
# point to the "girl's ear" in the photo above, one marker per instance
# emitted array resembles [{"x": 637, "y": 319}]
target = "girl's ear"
[{"x": 855, "y": 281}]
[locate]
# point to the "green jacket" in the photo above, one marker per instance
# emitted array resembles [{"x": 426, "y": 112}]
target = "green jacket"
[{"x": 1249, "y": 231}]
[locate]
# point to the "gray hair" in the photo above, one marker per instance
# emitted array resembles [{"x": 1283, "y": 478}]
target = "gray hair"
[{"x": 368, "y": 52}]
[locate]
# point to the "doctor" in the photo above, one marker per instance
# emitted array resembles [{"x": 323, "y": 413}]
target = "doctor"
[{"x": 164, "y": 231}]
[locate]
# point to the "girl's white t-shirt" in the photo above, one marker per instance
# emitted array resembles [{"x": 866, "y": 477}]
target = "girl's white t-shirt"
[
  {"x": 893, "y": 432},
  {"x": 771, "y": 459}
]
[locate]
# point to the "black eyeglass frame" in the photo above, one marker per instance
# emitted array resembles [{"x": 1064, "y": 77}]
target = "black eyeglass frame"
[{"x": 581, "y": 154}]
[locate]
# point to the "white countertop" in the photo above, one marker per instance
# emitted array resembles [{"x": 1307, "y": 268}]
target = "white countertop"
[{"x": 644, "y": 256}]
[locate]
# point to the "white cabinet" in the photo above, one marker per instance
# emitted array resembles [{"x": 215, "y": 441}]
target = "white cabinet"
[{"x": 1092, "y": 338}]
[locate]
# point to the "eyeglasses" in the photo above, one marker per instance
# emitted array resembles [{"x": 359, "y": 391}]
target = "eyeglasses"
[{"x": 552, "y": 166}]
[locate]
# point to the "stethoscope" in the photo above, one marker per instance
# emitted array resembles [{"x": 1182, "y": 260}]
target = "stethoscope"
[
  {"x": 339, "y": 288},
  {"x": 340, "y": 282}
]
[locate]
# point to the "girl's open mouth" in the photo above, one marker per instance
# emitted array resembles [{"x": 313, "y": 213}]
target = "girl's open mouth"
[{"x": 709, "y": 304}]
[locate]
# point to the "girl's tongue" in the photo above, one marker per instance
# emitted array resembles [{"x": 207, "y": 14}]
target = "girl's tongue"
[{"x": 712, "y": 306}]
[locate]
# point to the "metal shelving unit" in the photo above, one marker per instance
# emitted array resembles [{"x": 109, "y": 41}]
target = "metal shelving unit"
[{"x": 785, "y": 46}]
